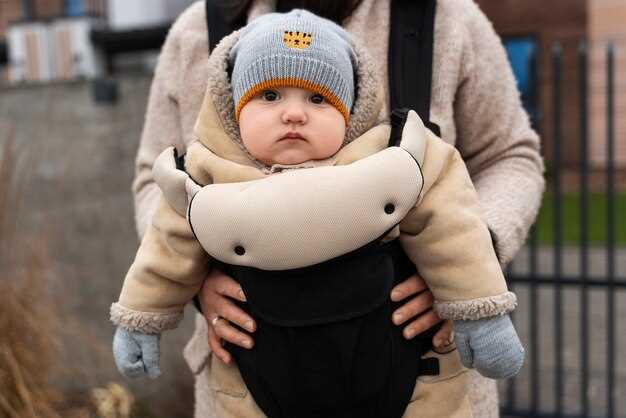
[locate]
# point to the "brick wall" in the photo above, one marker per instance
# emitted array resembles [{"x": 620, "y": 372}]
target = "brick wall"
[
  {"x": 48, "y": 8},
  {"x": 96, "y": 7},
  {"x": 568, "y": 22},
  {"x": 10, "y": 10},
  {"x": 565, "y": 22},
  {"x": 607, "y": 23}
]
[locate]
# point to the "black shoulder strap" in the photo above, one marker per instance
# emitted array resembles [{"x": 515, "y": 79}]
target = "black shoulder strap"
[
  {"x": 218, "y": 25},
  {"x": 411, "y": 39}
]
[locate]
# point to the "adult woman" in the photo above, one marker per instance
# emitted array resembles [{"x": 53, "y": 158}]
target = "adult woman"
[{"x": 474, "y": 101}]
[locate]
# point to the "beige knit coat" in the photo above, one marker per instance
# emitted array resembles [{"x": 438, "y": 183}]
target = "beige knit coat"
[{"x": 474, "y": 102}]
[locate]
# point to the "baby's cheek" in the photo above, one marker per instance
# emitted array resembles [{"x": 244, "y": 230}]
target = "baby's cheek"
[
  {"x": 254, "y": 143},
  {"x": 336, "y": 133}
]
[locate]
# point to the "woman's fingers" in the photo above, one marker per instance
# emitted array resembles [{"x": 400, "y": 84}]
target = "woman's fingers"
[
  {"x": 232, "y": 313},
  {"x": 216, "y": 346},
  {"x": 415, "y": 306},
  {"x": 445, "y": 335},
  {"x": 410, "y": 286},
  {"x": 226, "y": 286},
  {"x": 219, "y": 283},
  {"x": 418, "y": 310},
  {"x": 420, "y": 324},
  {"x": 216, "y": 297},
  {"x": 227, "y": 332}
]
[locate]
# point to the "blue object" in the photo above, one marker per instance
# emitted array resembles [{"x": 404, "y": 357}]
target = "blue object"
[
  {"x": 136, "y": 354},
  {"x": 490, "y": 345},
  {"x": 74, "y": 8},
  {"x": 521, "y": 52}
]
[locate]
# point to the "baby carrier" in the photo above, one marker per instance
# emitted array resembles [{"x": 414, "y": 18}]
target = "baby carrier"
[{"x": 325, "y": 343}]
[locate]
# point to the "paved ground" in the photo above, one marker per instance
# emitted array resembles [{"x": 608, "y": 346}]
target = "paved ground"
[{"x": 77, "y": 162}]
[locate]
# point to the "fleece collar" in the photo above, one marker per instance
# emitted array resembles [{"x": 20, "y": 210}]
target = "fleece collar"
[{"x": 217, "y": 129}]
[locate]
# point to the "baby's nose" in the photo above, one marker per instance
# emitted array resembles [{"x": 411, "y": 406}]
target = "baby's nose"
[{"x": 294, "y": 113}]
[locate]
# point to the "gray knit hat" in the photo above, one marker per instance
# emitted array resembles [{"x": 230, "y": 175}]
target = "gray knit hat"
[{"x": 296, "y": 49}]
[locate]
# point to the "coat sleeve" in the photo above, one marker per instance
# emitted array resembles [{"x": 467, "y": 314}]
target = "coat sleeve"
[
  {"x": 172, "y": 108},
  {"x": 495, "y": 138},
  {"x": 161, "y": 129},
  {"x": 447, "y": 239},
  {"x": 168, "y": 271}
]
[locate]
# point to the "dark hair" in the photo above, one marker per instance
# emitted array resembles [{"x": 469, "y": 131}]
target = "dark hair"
[{"x": 335, "y": 10}]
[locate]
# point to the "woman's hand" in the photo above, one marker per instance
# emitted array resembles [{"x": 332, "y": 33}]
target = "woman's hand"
[
  {"x": 215, "y": 298},
  {"x": 419, "y": 309}
]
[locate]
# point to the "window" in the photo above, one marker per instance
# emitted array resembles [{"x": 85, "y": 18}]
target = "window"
[{"x": 74, "y": 8}]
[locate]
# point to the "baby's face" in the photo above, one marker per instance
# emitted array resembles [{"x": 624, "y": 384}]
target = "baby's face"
[{"x": 290, "y": 125}]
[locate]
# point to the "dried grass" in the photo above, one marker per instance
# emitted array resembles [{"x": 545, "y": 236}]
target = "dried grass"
[
  {"x": 26, "y": 324},
  {"x": 30, "y": 324},
  {"x": 114, "y": 401}
]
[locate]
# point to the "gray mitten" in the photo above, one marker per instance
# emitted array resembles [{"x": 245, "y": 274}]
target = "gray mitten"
[
  {"x": 490, "y": 345},
  {"x": 136, "y": 354}
]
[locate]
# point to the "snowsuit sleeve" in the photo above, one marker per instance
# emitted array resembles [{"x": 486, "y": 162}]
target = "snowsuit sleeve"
[
  {"x": 170, "y": 265},
  {"x": 449, "y": 242},
  {"x": 169, "y": 269}
]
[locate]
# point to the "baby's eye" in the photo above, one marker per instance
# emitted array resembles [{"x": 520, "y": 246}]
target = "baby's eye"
[
  {"x": 270, "y": 95},
  {"x": 317, "y": 99}
]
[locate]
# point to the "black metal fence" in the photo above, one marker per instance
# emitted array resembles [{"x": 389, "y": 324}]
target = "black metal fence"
[{"x": 572, "y": 314}]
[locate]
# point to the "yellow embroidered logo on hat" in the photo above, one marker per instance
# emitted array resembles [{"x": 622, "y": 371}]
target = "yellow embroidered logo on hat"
[{"x": 297, "y": 40}]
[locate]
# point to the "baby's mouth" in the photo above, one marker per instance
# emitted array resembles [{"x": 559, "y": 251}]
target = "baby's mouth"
[{"x": 293, "y": 136}]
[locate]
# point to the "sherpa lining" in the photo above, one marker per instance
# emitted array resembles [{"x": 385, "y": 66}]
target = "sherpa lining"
[
  {"x": 365, "y": 110},
  {"x": 146, "y": 322},
  {"x": 477, "y": 308}
]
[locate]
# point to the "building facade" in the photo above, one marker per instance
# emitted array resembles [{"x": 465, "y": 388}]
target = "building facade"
[
  {"x": 16, "y": 10},
  {"x": 530, "y": 29},
  {"x": 541, "y": 25},
  {"x": 10, "y": 10}
]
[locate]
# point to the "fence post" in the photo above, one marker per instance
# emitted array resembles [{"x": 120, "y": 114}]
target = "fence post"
[
  {"x": 584, "y": 225},
  {"x": 558, "y": 262},
  {"x": 610, "y": 224}
]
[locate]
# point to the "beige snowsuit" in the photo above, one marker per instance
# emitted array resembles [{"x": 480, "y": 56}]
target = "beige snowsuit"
[{"x": 441, "y": 231}]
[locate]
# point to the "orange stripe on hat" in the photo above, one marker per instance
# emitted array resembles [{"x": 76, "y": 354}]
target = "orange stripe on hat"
[{"x": 293, "y": 82}]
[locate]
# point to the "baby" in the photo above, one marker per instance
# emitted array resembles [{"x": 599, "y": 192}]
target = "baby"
[{"x": 296, "y": 192}]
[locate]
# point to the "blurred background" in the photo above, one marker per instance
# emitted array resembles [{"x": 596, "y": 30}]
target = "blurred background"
[{"x": 74, "y": 82}]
